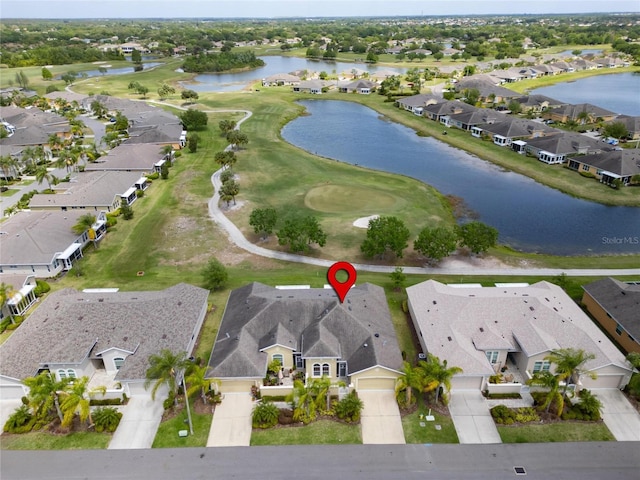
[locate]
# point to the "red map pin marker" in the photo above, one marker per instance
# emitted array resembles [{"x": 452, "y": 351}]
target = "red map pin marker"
[{"x": 341, "y": 288}]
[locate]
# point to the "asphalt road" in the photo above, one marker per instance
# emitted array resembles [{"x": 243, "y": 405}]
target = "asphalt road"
[{"x": 567, "y": 461}]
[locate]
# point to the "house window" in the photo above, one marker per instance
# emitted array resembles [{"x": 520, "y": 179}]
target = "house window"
[
  {"x": 492, "y": 356},
  {"x": 69, "y": 373},
  {"x": 279, "y": 357},
  {"x": 317, "y": 370},
  {"x": 118, "y": 362},
  {"x": 618, "y": 329},
  {"x": 585, "y": 168},
  {"x": 325, "y": 370},
  {"x": 297, "y": 360},
  {"x": 62, "y": 374},
  {"x": 542, "y": 366}
]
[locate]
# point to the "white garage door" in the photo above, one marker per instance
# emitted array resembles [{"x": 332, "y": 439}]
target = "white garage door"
[
  {"x": 603, "y": 381},
  {"x": 466, "y": 383}
]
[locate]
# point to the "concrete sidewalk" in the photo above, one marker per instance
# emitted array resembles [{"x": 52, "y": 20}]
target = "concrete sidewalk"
[
  {"x": 619, "y": 415},
  {"x": 139, "y": 424},
  {"x": 231, "y": 425},
  {"x": 472, "y": 418},
  {"x": 380, "y": 419}
]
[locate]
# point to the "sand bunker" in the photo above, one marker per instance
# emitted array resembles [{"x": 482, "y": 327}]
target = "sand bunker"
[{"x": 363, "y": 222}]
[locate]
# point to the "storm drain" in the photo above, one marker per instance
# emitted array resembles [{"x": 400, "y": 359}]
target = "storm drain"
[{"x": 519, "y": 470}]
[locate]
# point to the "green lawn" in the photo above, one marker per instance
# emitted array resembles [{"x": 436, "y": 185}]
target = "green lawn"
[
  {"x": 9, "y": 192},
  {"x": 556, "y": 432},
  {"x": 167, "y": 435},
  {"x": 47, "y": 441},
  {"x": 415, "y": 432},
  {"x": 321, "y": 432}
]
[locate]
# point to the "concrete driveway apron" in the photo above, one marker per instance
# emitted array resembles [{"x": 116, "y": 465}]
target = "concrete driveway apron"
[
  {"x": 380, "y": 419},
  {"x": 619, "y": 415},
  {"x": 472, "y": 419},
  {"x": 140, "y": 421},
  {"x": 231, "y": 425}
]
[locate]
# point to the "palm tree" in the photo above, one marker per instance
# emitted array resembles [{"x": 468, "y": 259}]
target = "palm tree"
[
  {"x": 301, "y": 398},
  {"x": 320, "y": 391},
  {"x": 55, "y": 142},
  {"x": 164, "y": 369},
  {"x": 411, "y": 379},
  {"x": 198, "y": 381},
  {"x": 7, "y": 164},
  {"x": 570, "y": 365},
  {"x": 439, "y": 373},
  {"x": 76, "y": 397},
  {"x": 85, "y": 222},
  {"x": 43, "y": 174},
  {"x": 550, "y": 381},
  {"x": 6, "y": 292},
  {"x": 44, "y": 391}
]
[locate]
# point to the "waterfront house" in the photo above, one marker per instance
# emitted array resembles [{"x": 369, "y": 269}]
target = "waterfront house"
[
  {"x": 611, "y": 168},
  {"x": 582, "y": 112},
  {"x": 143, "y": 157},
  {"x": 554, "y": 149}
]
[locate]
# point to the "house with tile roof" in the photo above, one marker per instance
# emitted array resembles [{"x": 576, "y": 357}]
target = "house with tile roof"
[
  {"x": 615, "y": 306},
  {"x": 104, "y": 335},
  {"x": 310, "y": 331},
  {"x": 43, "y": 243},
  {"x": 483, "y": 329}
]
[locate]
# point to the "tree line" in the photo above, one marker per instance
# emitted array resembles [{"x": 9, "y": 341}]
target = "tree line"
[{"x": 220, "y": 62}]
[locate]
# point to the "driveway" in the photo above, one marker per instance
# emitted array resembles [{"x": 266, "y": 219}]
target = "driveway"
[
  {"x": 619, "y": 415},
  {"x": 380, "y": 419},
  {"x": 231, "y": 425},
  {"x": 139, "y": 424},
  {"x": 472, "y": 419}
]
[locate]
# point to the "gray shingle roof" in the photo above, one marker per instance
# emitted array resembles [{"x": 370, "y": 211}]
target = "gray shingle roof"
[
  {"x": 311, "y": 321},
  {"x": 128, "y": 157},
  {"x": 70, "y": 324},
  {"x": 533, "y": 319},
  {"x": 621, "y": 300},
  {"x": 34, "y": 237},
  {"x": 624, "y": 163},
  {"x": 88, "y": 189},
  {"x": 565, "y": 143}
]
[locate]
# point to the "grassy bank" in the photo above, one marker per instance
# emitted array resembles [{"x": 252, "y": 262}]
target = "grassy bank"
[
  {"x": 556, "y": 432},
  {"x": 321, "y": 432},
  {"x": 555, "y": 176},
  {"x": 48, "y": 441}
]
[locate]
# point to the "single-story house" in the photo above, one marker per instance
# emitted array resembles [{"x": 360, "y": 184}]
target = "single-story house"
[
  {"x": 18, "y": 118},
  {"x": 416, "y": 103},
  {"x": 280, "y": 79},
  {"x": 615, "y": 306},
  {"x": 608, "y": 167},
  {"x": 475, "y": 116},
  {"x": 172, "y": 134},
  {"x": 489, "y": 92},
  {"x": 483, "y": 329},
  {"x": 95, "y": 191},
  {"x": 512, "y": 128},
  {"x": 135, "y": 157},
  {"x": 554, "y": 149},
  {"x": 43, "y": 243},
  {"x": 315, "y": 87},
  {"x": 309, "y": 330},
  {"x": 537, "y": 103},
  {"x": 441, "y": 112},
  {"x": 583, "y": 64},
  {"x": 104, "y": 335},
  {"x": 577, "y": 112},
  {"x": 631, "y": 123},
  {"x": 20, "y": 294},
  {"x": 363, "y": 87}
]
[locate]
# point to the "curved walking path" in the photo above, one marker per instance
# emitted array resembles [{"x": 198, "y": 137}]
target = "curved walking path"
[{"x": 236, "y": 236}]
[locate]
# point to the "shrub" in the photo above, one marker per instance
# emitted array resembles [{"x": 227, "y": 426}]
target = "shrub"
[
  {"x": 587, "y": 174},
  {"x": 111, "y": 221},
  {"x": 106, "y": 419},
  {"x": 42, "y": 287},
  {"x": 139, "y": 193},
  {"x": 497, "y": 378},
  {"x": 508, "y": 416},
  {"x": 20, "y": 421},
  {"x": 169, "y": 401},
  {"x": 226, "y": 175},
  {"x": 105, "y": 401},
  {"x": 177, "y": 154},
  {"x": 5, "y": 324},
  {"x": 349, "y": 408},
  {"x": 153, "y": 176},
  {"x": 265, "y": 415}
]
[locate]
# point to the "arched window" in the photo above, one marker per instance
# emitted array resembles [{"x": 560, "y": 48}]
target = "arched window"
[
  {"x": 118, "y": 362},
  {"x": 71, "y": 373},
  {"x": 317, "y": 370},
  {"x": 325, "y": 370},
  {"x": 62, "y": 374},
  {"x": 279, "y": 357}
]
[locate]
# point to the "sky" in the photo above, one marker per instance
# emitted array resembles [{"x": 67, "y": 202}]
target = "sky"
[{"x": 296, "y": 8}]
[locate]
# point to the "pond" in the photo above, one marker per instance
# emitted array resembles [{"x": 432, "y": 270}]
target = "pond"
[
  {"x": 529, "y": 216},
  {"x": 230, "y": 82},
  {"x": 618, "y": 92},
  {"x": 114, "y": 71}
]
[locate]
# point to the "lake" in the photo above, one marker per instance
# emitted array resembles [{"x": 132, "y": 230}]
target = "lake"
[
  {"x": 618, "y": 92},
  {"x": 529, "y": 216},
  {"x": 230, "y": 82}
]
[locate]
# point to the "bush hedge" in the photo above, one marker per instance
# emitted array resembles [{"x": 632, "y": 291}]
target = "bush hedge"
[{"x": 508, "y": 416}]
